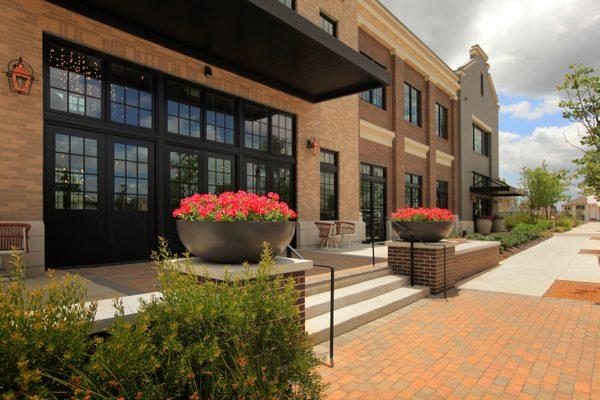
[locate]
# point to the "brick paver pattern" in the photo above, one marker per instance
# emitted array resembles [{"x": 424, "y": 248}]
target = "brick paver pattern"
[{"x": 476, "y": 345}]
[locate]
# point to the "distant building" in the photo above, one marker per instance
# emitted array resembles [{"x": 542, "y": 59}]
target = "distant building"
[{"x": 586, "y": 208}]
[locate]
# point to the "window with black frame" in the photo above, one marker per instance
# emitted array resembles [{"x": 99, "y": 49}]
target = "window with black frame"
[
  {"x": 256, "y": 177},
  {"x": 282, "y": 134},
  {"x": 441, "y": 121},
  {"x": 130, "y": 96},
  {"x": 328, "y": 25},
  {"x": 75, "y": 81},
  {"x": 412, "y": 104},
  {"x": 328, "y": 185},
  {"x": 282, "y": 183},
  {"x": 441, "y": 194},
  {"x": 184, "y": 173},
  {"x": 256, "y": 128},
  {"x": 481, "y": 141},
  {"x": 183, "y": 109},
  {"x": 220, "y": 174},
  {"x": 220, "y": 118},
  {"x": 413, "y": 190}
]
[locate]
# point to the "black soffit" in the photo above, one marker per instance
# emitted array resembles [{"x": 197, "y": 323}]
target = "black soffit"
[{"x": 259, "y": 39}]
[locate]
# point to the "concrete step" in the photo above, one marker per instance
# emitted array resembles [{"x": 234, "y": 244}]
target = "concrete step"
[
  {"x": 319, "y": 303},
  {"x": 320, "y": 283},
  {"x": 358, "y": 314}
]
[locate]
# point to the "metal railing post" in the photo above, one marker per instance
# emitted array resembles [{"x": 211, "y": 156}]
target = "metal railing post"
[
  {"x": 372, "y": 237},
  {"x": 412, "y": 260}
]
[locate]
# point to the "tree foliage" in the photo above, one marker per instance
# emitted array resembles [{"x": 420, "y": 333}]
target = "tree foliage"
[
  {"x": 544, "y": 187},
  {"x": 581, "y": 103}
]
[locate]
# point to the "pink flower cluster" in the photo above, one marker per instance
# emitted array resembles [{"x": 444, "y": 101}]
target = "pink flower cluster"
[
  {"x": 422, "y": 214},
  {"x": 234, "y": 206}
]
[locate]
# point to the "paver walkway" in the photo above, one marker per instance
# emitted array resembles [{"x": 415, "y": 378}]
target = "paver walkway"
[
  {"x": 477, "y": 345},
  {"x": 534, "y": 270}
]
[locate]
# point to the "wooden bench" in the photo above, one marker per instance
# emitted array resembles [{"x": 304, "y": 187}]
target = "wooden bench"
[{"x": 13, "y": 237}]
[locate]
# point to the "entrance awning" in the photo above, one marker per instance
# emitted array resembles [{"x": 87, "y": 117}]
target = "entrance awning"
[
  {"x": 259, "y": 39},
  {"x": 484, "y": 185}
]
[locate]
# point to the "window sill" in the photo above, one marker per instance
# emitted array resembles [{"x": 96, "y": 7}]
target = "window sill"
[{"x": 413, "y": 125}]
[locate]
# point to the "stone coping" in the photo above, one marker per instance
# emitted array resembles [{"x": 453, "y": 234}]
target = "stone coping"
[
  {"x": 216, "y": 271},
  {"x": 420, "y": 245},
  {"x": 475, "y": 245}
]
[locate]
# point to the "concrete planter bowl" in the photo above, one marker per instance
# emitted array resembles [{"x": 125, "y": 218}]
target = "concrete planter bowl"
[
  {"x": 424, "y": 231},
  {"x": 234, "y": 242},
  {"x": 484, "y": 226}
]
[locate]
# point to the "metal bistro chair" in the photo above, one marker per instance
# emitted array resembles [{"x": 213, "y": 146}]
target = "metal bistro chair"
[
  {"x": 328, "y": 234},
  {"x": 13, "y": 237},
  {"x": 346, "y": 230}
]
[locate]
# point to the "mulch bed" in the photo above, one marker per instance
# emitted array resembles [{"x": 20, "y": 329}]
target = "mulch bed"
[
  {"x": 587, "y": 291},
  {"x": 514, "y": 250}
]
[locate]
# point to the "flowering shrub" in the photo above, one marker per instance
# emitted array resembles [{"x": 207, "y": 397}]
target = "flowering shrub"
[
  {"x": 422, "y": 215},
  {"x": 234, "y": 206}
]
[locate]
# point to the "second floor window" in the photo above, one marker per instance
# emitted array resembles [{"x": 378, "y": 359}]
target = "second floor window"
[
  {"x": 481, "y": 141},
  {"x": 328, "y": 25},
  {"x": 441, "y": 121},
  {"x": 412, "y": 105},
  {"x": 375, "y": 96},
  {"x": 413, "y": 190},
  {"x": 291, "y": 4}
]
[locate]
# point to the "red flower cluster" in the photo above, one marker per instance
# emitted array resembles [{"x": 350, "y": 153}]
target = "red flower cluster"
[
  {"x": 234, "y": 206},
  {"x": 422, "y": 214}
]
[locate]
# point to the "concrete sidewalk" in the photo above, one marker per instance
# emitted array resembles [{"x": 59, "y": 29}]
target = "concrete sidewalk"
[{"x": 534, "y": 270}]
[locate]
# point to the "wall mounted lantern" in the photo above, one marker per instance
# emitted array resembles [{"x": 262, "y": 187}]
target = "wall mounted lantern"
[
  {"x": 20, "y": 76},
  {"x": 313, "y": 145},
  {"x": 208, "y": 72}
]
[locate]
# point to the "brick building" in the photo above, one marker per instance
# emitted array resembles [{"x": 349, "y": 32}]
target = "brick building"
[{"x": 135, "y": 105}]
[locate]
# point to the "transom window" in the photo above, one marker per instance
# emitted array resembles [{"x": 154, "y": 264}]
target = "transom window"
[
  {"x": 184, "y": 169},
  {"x": 130, "y": 96},
  {"x": 183, "y": 109},
  {"x": 256, "y": 177},
  {"x": 130, "y": 177},
  {"x": 328, "y": 185},
  {"x": 441, "y": 194},
  {"x": 328, "y": 25},
  {"x": 413, "y": 190},
  {"x": 75, "y": 173},
  {"x": 481, "y": 141},
  {"x": 256, "y": 128},
  {"x": 412, "y": 105},
  {"x": 220, "y": 118},
  {"x": 75, "y": 82},
  {"x": 220, "y": 176},
  {"x": 441, "y": 121}
]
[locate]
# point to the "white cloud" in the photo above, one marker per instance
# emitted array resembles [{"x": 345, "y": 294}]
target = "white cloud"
[
  {"x": 551, "y": 143},
  {"x": 530, "y": 42},
  {"x": 526, "y": 110}
]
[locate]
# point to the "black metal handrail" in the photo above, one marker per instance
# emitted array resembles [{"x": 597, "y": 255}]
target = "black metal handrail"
[
  {"x": 412, "y": 249},
  {"x": 291, "y": 251}
]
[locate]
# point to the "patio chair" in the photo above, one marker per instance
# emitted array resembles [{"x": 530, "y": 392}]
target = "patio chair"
[
  {"x": 13, "y": 237},
  {"x": 346, "y": 230},
  {"x": 327, "y": 234}
]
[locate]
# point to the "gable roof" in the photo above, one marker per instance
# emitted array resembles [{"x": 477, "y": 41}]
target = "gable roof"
[{"x": 477, "y": 52}]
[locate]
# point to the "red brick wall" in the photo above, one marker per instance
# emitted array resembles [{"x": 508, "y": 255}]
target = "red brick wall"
[{"x": 429, "y": 263}]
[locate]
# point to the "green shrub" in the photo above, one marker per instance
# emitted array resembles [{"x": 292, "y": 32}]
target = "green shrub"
[
  {"x": 231, "y": 340},
  {"x": 565, "y": 222},
  {"x": 522, "y": 233},
  {"x": 513, "y": 219},
  {"x": 42, "y": 332}
]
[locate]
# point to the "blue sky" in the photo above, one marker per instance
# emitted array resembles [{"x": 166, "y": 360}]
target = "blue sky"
[{"x": 530, "y": 44}]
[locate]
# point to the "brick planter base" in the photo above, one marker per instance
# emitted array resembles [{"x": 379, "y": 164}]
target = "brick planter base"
[{"x": 462, "y": 261}]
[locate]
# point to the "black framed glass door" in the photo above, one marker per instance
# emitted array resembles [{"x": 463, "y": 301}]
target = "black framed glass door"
[
  {"x": 130, "y": 205},
  {"x": 372, "y": 201}
]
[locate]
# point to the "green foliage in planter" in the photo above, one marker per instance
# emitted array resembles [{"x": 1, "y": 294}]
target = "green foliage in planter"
[
  {"x": 42, "y": 332},
  {"x": 232, "y": 340}
]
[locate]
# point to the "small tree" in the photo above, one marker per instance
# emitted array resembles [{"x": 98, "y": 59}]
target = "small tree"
[
  {"x": 581, "y": 103},
  {"x": 544, "y": 187}
]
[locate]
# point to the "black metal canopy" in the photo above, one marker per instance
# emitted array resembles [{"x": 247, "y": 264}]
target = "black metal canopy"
[
  {"x": 259, "y": 39},
  {"x": 484, "y": 185}
]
